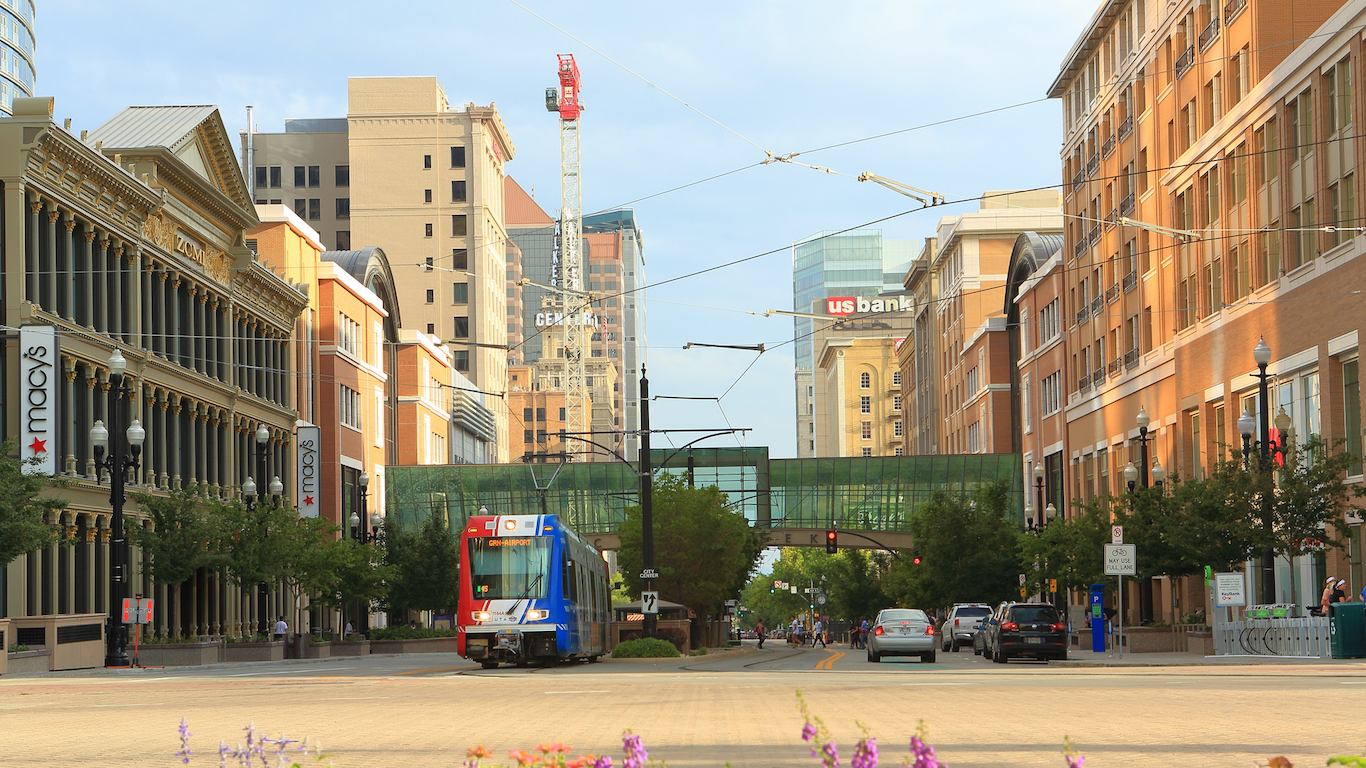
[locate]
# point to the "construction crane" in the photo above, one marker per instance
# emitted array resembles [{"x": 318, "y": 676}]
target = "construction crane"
[{"x": 568, "y": 273}]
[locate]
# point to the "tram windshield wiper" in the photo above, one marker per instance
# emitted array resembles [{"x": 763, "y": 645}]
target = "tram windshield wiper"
[{"x": 526, "y": 592}]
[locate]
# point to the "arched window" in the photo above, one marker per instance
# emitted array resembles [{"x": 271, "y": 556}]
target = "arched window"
[{"x": 865, "y": 381}]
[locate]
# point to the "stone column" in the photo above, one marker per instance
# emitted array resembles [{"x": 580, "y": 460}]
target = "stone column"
[
  {"x": 191, "y": 420},
  {"x": 176, "y": 456},
  {"x": 102, "y": 571},
  {"x": 90, "y": 383},
  {"x": 67, "y": 275},
  {"x": 48, "y": 260},
  {"x": 89, "y": 545},
  {"x": 67, "y": 413},
  {"x": 174, "y": 351},
  {"x": 115, "y": 290},
  {"x": 31, "y": 266},
  {"x": 158, "y": 302},
  {"x": 86, "y": 314}
]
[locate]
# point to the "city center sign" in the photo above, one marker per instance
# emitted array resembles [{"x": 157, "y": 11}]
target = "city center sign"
[
  {"x": 551, "y": 319},
  {"x": 843, "y": 306}
]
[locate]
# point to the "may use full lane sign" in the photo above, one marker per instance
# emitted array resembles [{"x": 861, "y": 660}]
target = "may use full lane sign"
[{"x": 1120, "y": 560}]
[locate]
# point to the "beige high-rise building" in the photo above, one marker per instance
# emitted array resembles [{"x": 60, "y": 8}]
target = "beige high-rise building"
[{"x": 407, "y": 173}]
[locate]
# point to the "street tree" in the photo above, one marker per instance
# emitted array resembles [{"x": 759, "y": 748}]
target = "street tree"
[
  {"x": 423, "y": 566},
  {"x": 704, "y": 548},
  {"x": 1070, "y": 549},
  {"x": 28, "y": 518},
  {"x": 182, "y": 538}
]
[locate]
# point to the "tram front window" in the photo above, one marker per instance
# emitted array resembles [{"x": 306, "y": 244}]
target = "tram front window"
[{"x": 506, "y": 568}]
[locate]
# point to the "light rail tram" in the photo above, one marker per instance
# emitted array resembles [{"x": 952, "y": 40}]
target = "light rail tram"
[{"x": 531, "y": 590}]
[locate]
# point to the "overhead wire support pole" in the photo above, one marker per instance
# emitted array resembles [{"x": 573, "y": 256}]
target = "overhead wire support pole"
[{"x": 929, "y": 199}]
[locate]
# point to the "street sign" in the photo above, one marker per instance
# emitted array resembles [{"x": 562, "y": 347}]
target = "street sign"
[
  {"x": 1230, "y": 589},
  {"x": 647, "y": 574},
  {"x": 732, "y": 603},
  {"x": 794, "y": 590},
  {"x": 137, "y": 610},
  {"x": 1022, "y": 592},
  {"x": 1120, "y": 560},
  {"x": 1052, "y": 585},
  {"x": 649, "y": 602},
  {"x": 1022, "y": 579},
  {"x": 820, "y": 599},
  {"x": 1116, "y": 534}
]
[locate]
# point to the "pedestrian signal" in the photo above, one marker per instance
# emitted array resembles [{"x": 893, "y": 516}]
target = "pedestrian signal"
[{"x": 831, "y": 542}]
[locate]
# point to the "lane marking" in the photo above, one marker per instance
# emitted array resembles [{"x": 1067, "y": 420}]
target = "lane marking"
[
  {"x": 828, "y": 661},
  {"x": 551, "y": 693},
  {"x": 289, "y": 672},
  {"x": 939, "y": 683},
  {"x": 88, "y": 706},
  {"x": 352, "y": 698},
  {"x": 440, "y": 669}
]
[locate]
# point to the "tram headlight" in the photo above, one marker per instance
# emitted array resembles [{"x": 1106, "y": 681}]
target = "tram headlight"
[
  {"x": 537, "y": 615},
  {"x": 482, "y": 616}
]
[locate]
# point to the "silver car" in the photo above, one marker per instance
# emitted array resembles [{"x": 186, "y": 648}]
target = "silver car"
[{"x": 902, "y": 632}]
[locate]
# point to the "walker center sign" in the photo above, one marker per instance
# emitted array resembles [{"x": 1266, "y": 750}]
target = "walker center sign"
[
  {"x": 843, "y": 306},
  {"x": 309, "y": 438},
  {"x": 38, "y": 375}
]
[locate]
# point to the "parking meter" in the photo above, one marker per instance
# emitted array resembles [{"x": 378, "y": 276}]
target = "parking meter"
[{"x": 1097, "y": 606}]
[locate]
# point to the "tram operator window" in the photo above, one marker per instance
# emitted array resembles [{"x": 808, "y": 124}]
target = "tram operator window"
[{"x": 506, "y": 568}]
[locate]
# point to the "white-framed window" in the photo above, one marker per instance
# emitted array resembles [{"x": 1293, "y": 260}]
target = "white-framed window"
[
  {"x": 867, "y": 453},
  {"x": 972, "y": 381},
  {"x": 1048, "y": 322},
  {"x": 896, "y": 428},
  {"x": 379, "y": 417},
  {"x": 865, "y": 404},
  {"x": 377, "y": 354},
  {"x": 866, "y": 430},
  {"x": 865, "y": 380},
  {"x": 896, "y": 402},
  {"x": 348, "y": 335},
  {"x": 1050, "y": 398},
  {"x": 900, "y": 451},
  {"x": 348, "y": 407},
  {"x": 1026, "y": 405},
  {"x": 1025, "y": 332},
  {"x": 896, "y": 378},
  {"x": 426, "y": 445},
  {"x": 974, "y": 437}
]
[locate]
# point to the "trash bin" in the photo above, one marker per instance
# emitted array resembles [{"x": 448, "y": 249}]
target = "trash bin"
[{"x": 1347, "y": 630}]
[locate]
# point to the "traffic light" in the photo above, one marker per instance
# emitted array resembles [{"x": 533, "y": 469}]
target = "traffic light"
[
  {"x": 915, "y": 558},
  {"x": 771, "y": 590},
  {"x": 831, "y": 542}
]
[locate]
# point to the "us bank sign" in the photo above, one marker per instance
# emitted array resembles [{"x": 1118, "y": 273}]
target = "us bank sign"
[
  {"x": 306, "y": 471},
  {"x": 38, "y": 374}
]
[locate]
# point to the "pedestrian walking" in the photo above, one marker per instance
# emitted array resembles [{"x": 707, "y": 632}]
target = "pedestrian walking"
[
  {"x": 794, "y": 632},
  {"x": 863, "y": 634},
  {"x": 281, "y": 629},
  {"x": 818, "y": 633},
  {"x": 759, "y": 633}
]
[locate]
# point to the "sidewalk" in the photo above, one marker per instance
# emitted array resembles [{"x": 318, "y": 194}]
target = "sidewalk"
[{"x": 1077, "y": 658}]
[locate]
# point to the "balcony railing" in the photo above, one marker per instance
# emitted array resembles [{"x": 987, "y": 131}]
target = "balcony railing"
[
  {"x": 1131, "y": 358},
  {"x": 1079, "y": 179},
  {"x": 1097, "y": 304},
  {"x": 1126, "y": 206},
  {"x": 1084, "y": 384},
  {"x": 1130, "y": 281},
  {"x": 1094, "y": 235},
  {"x": 1232, "y": 9},
  {"x": 1092, "y": 166},
  {"x": 1126, "y": 127},
  {"x": 1098, "y": 377},
  {"x": 1079, "y": 248},
  {"x": 1115, "y": 367},
  {"x": 1112, "y": 294},
  {"x": 1083, "y": 315},
  {"x": 1111, "y": 218},
  {"x": 1210, "y": 34},
  {"x": 1185, "y": 62},
  {"x": 1108, "y": 148}
]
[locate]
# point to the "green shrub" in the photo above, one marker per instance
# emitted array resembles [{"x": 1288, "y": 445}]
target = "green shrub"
[
  {"x": 675, "y": 636},
  {"x": 409, "y": 633},
  {"x": 16, "y": 648},
  {"x": 698, "y": 652},
  {"x": 645, "y": 648}
]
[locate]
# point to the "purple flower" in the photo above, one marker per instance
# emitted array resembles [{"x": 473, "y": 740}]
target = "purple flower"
[
  {"x": 1076, "y": 761},
  {"x": 808, "y": 732},
  {"x": 184, "y": 753},
  {"x": 865, "y": 754},
  {"x": 635, "y": 751},
  {"x": 923, "y": 754},
  {"x": 603, "y": 762},
  {"x": 832, "y": 755}
]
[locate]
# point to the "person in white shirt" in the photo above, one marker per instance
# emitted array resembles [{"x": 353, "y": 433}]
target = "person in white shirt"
[
  {"x": 817, "y": 633},
  {"x": 281, "y": 629}
]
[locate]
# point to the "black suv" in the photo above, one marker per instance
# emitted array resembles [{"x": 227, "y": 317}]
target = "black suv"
[{"x": 1025, "y": 629}]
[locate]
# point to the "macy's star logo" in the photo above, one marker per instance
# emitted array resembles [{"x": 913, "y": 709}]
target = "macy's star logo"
[
  {"x": 38, "y": 446},
  {"x": 308, "y": 501}
]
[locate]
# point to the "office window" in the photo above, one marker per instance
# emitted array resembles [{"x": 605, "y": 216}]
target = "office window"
[
  {"x": 457, "y": 157},
  {"x": 458, "y": 225},
  {"x": 426, "y": 195},
  {"x": 866, "y": 429},
  {"x": 457, "y": 191},
  {"x": 527, "y": 415},
  {"x": 1351, "y": 414},
  {"x": 1026, "y": 406},
  {"x": 900, "y": 451},
  {"x": 315, "y": 209},
  {"x": 428, "y": 230},
  {"x": 460, "y": 293},
  {"x": 431, "y": 296},
  {"x": 460, "y": 258},
  {"x": 276, "y": 201},
  {"x": 343, "y": 173},
  {"x": 461, "y": 358},
  {"x": 896, "y": 378},
  {"x": 343, "y": 239},
  {"x": 343, "y": 207},
  {"x": 431, "y": 329},
  {"x": 972, "y": 381},
  {"x": 462, "y": 328},
  {"x": 275, "y": 177},
  {"x": 865, "y": 380},
  {"x": 540, "y": 435},
  {"x": 301, "y": 207},
  {"x": 299, "y": 177},
  {"x": 261, "y": 179},
  {"x": 562, "y": 411},
  {"x": 426, "y": 161},
  {"x": 896, "y": 402},
  {"x": 315, "y": 176},
  {"x": 865, "y": 404},
  {"x": 540, "y": 414},
  {"x": 896, "y": 428},
  {"x": 1050, "y": 395},
  {"x": 348, "y": 407},
  {"x": 975, "y": 437},
  {"x": 867, "y": 453}
]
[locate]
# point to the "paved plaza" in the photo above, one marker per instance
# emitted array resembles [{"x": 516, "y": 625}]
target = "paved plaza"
[{"x": 427, "y": 709}]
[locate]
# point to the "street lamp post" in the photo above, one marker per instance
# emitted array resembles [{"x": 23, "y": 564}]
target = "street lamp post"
[
  {"x": 1131, "y": 476},
  {"x": 262, "y": 443},
  {"x": 647, "y": 530},
  {"x": 1261, "y": 354},
  {"x": 122, "y": 456},
  {"x": 1143, "y": 439},
  {"x": 1038, "y": 486}
]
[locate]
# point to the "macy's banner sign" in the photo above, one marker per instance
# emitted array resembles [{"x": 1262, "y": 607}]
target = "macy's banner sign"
[{"x": 842, "y": 306}]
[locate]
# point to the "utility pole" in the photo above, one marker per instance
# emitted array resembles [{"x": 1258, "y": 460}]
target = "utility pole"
[{"x": 647, "y": 502}]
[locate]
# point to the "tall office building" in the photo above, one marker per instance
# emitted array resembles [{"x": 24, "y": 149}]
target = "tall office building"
[
  {"x": 407, "y": 173},
  {"x": 858, "y": 263},
  {"x": 16, "y": 52}
]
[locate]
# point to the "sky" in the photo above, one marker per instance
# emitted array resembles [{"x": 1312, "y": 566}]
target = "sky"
[{"x": 782, "y": 77}]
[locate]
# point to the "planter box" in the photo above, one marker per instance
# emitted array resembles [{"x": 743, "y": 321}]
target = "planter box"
[
  {"x": 28, "y": 662},
  {"x": 76, "y": 640},
  {"x": 272, "y": 651},
  {"x": 1150, "y": 640},
  {"x": 1200, "y": 643},
  {"x": 178, "y": 654},
  {"x": 318, "y": 650},
  {"x": 420, "y": 645},
  {"x": 352, "y": 648}
]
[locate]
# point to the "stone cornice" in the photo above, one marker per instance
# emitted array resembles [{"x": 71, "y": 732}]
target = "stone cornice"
[
  {"x": 268, "y": 296},
  {"x": 176, "y": 175}
]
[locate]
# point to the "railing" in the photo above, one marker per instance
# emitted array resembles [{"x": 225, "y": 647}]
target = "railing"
[
  {"x": 1108, "y": 148},
  {"x": 1185, "y": 62},
  {"x": 1291, "y": 637},
  {"x": 1210, "y": 34},
  {"x": 1232, "y": 9},
  {"x": 1079, "y": 179},
  {"x": 1126, "y": 127},
  {"x": 1112, "y": 293},
  {"x": 1084, "y": 384},
  {"x": 1111, "y": 218},
  {"x": 1094, "y": 236},
  {"x": 1131, "y": 358},
  {"x": 1092, "y": 165},
  {"x": 1115, "y": 366},
  {"x": 1126, "y": 206},
  {"x": 1098, "y": 377},
  {"x": 1130, "y": 281},
  {"x": 1083, "y": 315},
  {"x": 1097, "y": 304},
  {"x": 1079, "y": 248}
]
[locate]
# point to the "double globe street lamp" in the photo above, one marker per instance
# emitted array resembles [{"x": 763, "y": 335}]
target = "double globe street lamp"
[
  {"x": 118, "y": 459},
  {"x": 358, "y": 533},
  {"x": 277, "y": 489},
  {"x": 1266, "y": 449}
]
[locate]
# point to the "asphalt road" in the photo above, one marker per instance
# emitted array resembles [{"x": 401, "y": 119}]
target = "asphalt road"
[{"x": 740, "y": 708}]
